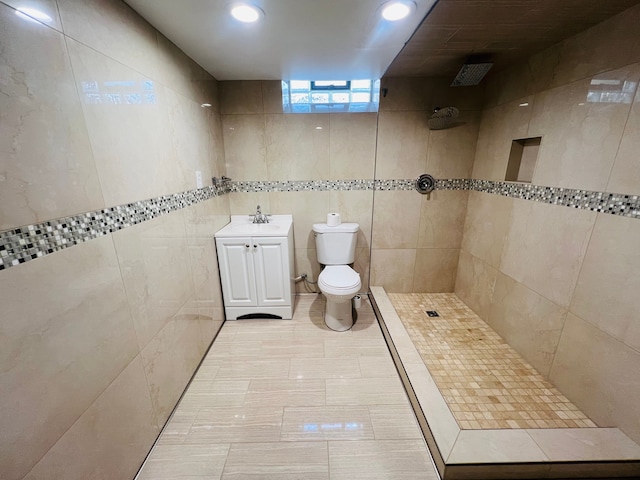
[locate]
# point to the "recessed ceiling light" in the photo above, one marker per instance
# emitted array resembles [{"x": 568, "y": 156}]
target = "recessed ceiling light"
[
  {"x": 246, "y": 13},
  {"x": 397, "y": 10}
]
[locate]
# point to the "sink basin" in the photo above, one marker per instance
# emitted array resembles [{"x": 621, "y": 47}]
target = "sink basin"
[{"x": 243, "y": 226}]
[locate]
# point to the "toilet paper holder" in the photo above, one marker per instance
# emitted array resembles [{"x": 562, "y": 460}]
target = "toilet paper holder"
[{"x": 425, "y": 183}]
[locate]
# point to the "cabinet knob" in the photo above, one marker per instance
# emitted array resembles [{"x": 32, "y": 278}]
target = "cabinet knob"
[
  {"x": 247, "y": 245},
  {"x": 255, "y": 246}
]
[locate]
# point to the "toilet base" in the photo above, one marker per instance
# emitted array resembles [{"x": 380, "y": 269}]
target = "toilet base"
[{"x": 338, "y": 316}]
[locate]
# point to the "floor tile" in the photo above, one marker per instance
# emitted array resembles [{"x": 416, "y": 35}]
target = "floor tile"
[
  {"x": 377, "y": 366},
  {"x": 285, "y": 393},
  {"x": 249, "y": 367},
  {"x": 339, "y": 367},
  {"x": 235, "y": 424},
  {"x": 326, "y": 423},
  {"x": 394, "y": 422},
  {"x": 290, "y": 460},
  {"x": 366, "y": 391},
  {"x": 177, "y": 461},
  {"x": 380, "y": 459}
]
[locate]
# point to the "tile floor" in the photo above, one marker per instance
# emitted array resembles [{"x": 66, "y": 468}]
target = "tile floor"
[
  {"x": 290, "y": 399},
  {"x": 485, "y": 382}
]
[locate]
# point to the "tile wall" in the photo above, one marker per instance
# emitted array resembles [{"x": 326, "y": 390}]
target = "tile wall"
[
  {"x": 560, "y": 284},
  {"x": 415, "y": 251},
  {"x": 99, "y": 340}
]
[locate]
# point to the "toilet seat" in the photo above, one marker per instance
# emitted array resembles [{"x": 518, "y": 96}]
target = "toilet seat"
[{"x": 339, "y": 280}]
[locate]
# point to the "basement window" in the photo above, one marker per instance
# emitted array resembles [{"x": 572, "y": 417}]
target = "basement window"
[
  {"x": 330, "y": 96},
  {"x": 522, "y": 159}
]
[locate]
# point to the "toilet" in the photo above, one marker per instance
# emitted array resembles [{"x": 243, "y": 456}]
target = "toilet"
[{"x": 336, "y": 250}]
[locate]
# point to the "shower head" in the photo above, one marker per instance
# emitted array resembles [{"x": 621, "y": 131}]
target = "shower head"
[
  {"x": 473, "y": 71},
  {"x": 443, "y": 118}
]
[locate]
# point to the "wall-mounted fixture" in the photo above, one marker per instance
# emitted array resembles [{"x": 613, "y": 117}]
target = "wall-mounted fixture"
[
  {"x": 425, "y": 183},
  {"x": 473, "y": 71},
  {"x": 443, "y": 118}
]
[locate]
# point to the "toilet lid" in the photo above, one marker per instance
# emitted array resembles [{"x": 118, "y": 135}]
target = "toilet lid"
[{"x": 339, "y": 277}]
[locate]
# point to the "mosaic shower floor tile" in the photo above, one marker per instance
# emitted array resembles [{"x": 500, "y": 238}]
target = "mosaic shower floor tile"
[{"x": 485, "y": 382}]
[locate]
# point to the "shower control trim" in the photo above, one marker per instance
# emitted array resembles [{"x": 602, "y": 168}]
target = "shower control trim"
[{"x": 425, "y": 183}]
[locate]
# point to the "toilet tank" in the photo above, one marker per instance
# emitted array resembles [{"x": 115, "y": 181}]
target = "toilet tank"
[{"x": 336, "y": 245}]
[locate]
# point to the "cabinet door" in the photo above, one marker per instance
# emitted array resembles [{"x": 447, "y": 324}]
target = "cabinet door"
[
  {"x": 272, "y": 270},
  {"x": 235, "y": 256}
]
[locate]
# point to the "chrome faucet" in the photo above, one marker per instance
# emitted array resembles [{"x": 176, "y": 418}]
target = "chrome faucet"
[{"x": 260, "y": 217}]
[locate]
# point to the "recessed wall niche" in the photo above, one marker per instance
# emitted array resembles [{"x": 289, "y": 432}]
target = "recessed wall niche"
[{"x": 522, "y": 159}]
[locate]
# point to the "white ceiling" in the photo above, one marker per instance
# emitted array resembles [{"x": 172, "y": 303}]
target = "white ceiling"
[{"x": 296, "y": 39}]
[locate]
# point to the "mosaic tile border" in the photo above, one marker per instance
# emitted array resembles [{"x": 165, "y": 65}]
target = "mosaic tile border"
[
  {"x": 26, "y": 243},
  {"x": 29, "y": 242},
  {"x": 301, "y": 185}
]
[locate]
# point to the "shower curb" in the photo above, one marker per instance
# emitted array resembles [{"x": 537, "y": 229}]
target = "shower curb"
[{"x": 479, "y": 454}]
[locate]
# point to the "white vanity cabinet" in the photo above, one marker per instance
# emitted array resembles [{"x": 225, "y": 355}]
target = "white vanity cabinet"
[{"x": 256, "y": 269}]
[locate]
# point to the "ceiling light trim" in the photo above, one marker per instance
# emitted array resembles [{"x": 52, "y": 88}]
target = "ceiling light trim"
[
  {"x": 246, "y": 12},
  {"x": 396, "y": 10}
]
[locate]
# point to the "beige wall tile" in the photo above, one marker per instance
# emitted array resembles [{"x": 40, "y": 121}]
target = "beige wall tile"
[
  {"x": 545, "y": 247},
  {"x": 486, "y": 226},
  {"x": 599, "y": 374},
  {"x": 625, "y": 175},
  {"x": 435, "y": 270},
  {"x": 240, "y": 97},
  {"x": 608, "y": 45},
  {"x": 606, "y": 292},
  {"x": 354, "y": 206},
  {"x": 475, "y": 281},
  {"x": 407, "y": 93},
  {"x": 113, "y": 444},
  {"x": 529, "y": 323},
  {"x": 403, "y": 142},
  {"x": 64, "y": 315},
  {"x": 499, "y": 126},
  {"x": 451, "y": 151},
  {"x": 307, "y": 262},
  {"x": 580, "y": 136},
  {"x": 298, "y": 146},
  {"x": 442, "y": 219},
  {"x": 129, "y": 142},
  {"x": 244, "y": 146},
  {"x": 48, "y": 7},
  {"x": 43, "y": 176},
  {"x": 393, "y": 269},
  {"x": 191, "y": 138},
  {"x": 181, "y": 74},
  {"x": 156, "y": 271},
  {"x": 307, "y": 208},
  {"x": 245, "y": 203},
  {"x": 352, "y": 149},
  {"x": 272, "y": 96},
  {"x": 112, "y": 28},
  {"x": 396, "y": 219},
  {"x": 170, "y": 359}
]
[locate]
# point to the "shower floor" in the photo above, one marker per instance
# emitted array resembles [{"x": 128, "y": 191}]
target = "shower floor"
[
  {"x": 484, "y": 411},
  {"x": 485, "y": 382}
]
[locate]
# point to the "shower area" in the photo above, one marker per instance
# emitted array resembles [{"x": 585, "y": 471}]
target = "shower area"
[{"x": 507, "y": 293}]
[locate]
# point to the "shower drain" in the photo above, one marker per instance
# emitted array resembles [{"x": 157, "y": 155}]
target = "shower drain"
[{"x": 432, "y": 313}]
